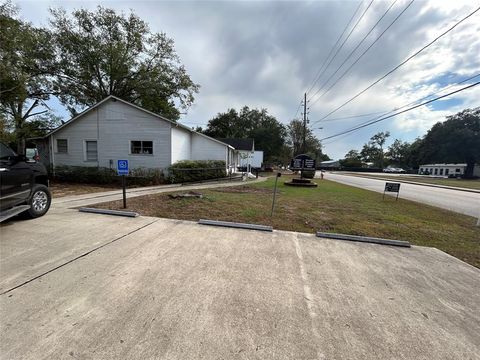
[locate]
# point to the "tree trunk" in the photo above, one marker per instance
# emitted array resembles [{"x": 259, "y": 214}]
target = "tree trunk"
[
  {"x": 469, "y": 170},
  {"x": 21, "y": 145},
  {"x": 19, "y": 134}
]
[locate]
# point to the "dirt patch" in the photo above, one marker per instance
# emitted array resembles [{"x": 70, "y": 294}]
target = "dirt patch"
[
  {"x": 244, "y": 190},
  {"x": 67, "y": 189}
]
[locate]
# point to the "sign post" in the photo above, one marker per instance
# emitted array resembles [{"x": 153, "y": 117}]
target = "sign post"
[
  {"x": 391, "y": 187},
  {"x": 122, "y": 170},
  {"x": 275, "y": 191}
]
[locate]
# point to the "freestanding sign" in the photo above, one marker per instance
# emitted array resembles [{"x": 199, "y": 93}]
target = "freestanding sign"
[
  {"x": 302, "y": 162},
  {"x": 122, "y": 170},
  {"x": 122, "y": 167},
  {"x": 391, "y": 187}
]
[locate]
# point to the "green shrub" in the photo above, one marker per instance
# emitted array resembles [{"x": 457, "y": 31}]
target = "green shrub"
[
  {"x": 196, "y": 170},
  {"x": 96, "y": 175},
  {"x": 146, "y": 176}
]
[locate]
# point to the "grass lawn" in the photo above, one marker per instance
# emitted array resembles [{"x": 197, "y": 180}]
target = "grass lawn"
[
  {"x": 331, "y": 207},
  {"x": 461, "y": 183}
]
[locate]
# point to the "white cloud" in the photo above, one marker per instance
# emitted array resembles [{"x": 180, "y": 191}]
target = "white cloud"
[{"x": 265, "y": 54}]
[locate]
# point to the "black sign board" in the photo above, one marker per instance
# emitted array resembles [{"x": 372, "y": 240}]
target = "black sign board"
[
  {"x": 302, "y": 162},
  {"x": 391, "y": 187}
]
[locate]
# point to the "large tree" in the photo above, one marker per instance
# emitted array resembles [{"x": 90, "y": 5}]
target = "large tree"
[
  {"x": 26, "y": 67},
  {"x": 398, "y": 152},
  {"x": 231, "y": 124},
  {"x": 373, "y": 150},
  {"x": 352, "y": 159},
  {"x": 455, "y": 140},
  {"x": 268, "y": 133},
  {"x": 103, "y": 53},
  {"x": 313, "y": 147}
]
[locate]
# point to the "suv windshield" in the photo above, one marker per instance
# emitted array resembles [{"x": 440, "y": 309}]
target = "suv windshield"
[{"x": 5, "y": 152}]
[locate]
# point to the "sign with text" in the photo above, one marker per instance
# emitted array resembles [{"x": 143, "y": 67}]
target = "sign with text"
[
  {"x": 122, "y": 167},
  {"x": 391, "y": 187},
  {"x": 302, "y": 162}
]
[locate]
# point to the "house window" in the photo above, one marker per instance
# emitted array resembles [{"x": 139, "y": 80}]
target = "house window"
[
  {"x": 436, "y": 171},
  {"x": 141, "y": 147},
  {"x": 447, "y": 171},
  {"x": 62, "y": 146},
  {"x": 91, "y": 153},
  {"x": 441, "y": 171},
  {"x": 457, "y": 170}
]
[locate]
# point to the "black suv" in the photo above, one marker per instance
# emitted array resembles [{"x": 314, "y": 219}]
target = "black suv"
[{"x": 23, "y": 186}]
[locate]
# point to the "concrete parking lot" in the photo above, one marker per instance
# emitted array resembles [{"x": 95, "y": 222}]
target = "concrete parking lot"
[{"x": 85, "y": 286}]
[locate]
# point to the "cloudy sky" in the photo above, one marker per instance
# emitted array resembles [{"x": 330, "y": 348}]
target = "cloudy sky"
[{"x": 266, "y": 54}]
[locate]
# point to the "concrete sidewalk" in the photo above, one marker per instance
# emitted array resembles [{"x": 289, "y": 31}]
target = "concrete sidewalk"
[
  {"x": 85, "y": 286},
  {"x": 94, "y": 198}
]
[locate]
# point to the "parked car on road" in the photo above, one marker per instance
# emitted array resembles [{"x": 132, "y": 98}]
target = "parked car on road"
[
  {"x": 23, "y": 185},
  {"x": 394, "y": 170}
]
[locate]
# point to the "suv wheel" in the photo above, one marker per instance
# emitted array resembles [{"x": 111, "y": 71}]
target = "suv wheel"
[{"x": 39, "y": 201}]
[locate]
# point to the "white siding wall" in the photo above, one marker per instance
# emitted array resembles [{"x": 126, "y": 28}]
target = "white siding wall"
[
  {"x": 117, "y": 125},
  {"x": 82, "y": 129},
  {"x": 476, "y": 170},
  {"x": 181, "y": 144},
  {"x": 206, "y": 149}
]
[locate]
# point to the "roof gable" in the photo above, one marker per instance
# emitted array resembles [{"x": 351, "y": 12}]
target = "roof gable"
[{"x": 114, "y": 98}]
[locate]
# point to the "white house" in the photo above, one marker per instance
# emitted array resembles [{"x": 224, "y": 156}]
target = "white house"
[
  {"x": 446, "y": 169},
  {"x": 244, "y": 151},
  {"x": 115, "y": 129}
]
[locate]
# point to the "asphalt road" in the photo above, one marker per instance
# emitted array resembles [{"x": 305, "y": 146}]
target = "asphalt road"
[
  {"x": 84, "y": 286},
  {"x": 463, "y": 202}
]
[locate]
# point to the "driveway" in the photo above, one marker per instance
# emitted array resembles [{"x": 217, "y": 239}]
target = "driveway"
[
  {"x": 462, "y": 202},
  {"x": 84, "y": 286}
]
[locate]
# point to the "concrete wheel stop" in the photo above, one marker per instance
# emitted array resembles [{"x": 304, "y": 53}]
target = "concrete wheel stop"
[
  {"x": 235, "y": 225},
  {"x": 109, "y": 212},
  {"x": 365, "y": 239}
]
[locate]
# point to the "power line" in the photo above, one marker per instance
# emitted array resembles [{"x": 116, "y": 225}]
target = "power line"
[
  {"x": 334, "y": 46},
  {"x": 355, "y": 116},
  {"x": 343, "y": 43},
  {"x": 400, "y": 112},
  {"x": 355, "y": 49},
  {"x": 366, "y": 50},
  {"x": 401, "y": 64},
  {"x": 298, "y": 108},
  {"x": 383, "y": 113}
]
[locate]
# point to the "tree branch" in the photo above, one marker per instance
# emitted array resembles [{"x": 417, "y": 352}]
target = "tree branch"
[
  {"x": 38, "y": 113},
  {"x": 35, "y": 103}
]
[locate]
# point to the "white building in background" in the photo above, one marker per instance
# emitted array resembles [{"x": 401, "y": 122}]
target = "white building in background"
[
  {"x": 446, "y": 170},
  {"x": 244, "y": 155},
  {"x": 115, "y": 129}
]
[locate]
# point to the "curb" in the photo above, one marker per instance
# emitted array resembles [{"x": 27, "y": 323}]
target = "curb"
[
  {"x": 421, "y": 184},
  {"x": 235, "y": 225},
  {"x": 109, "y": 212},
  {"x": 366, "y": 239}
]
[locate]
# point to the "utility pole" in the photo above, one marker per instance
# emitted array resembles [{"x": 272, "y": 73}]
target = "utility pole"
[{"x": 304, "y": 124}]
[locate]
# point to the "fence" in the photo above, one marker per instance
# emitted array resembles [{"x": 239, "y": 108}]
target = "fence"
[{"x": 185, "y": 175}]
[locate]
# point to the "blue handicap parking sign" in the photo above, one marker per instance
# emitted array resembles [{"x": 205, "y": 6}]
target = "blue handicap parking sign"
[{"x": 122, "y": 167}]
